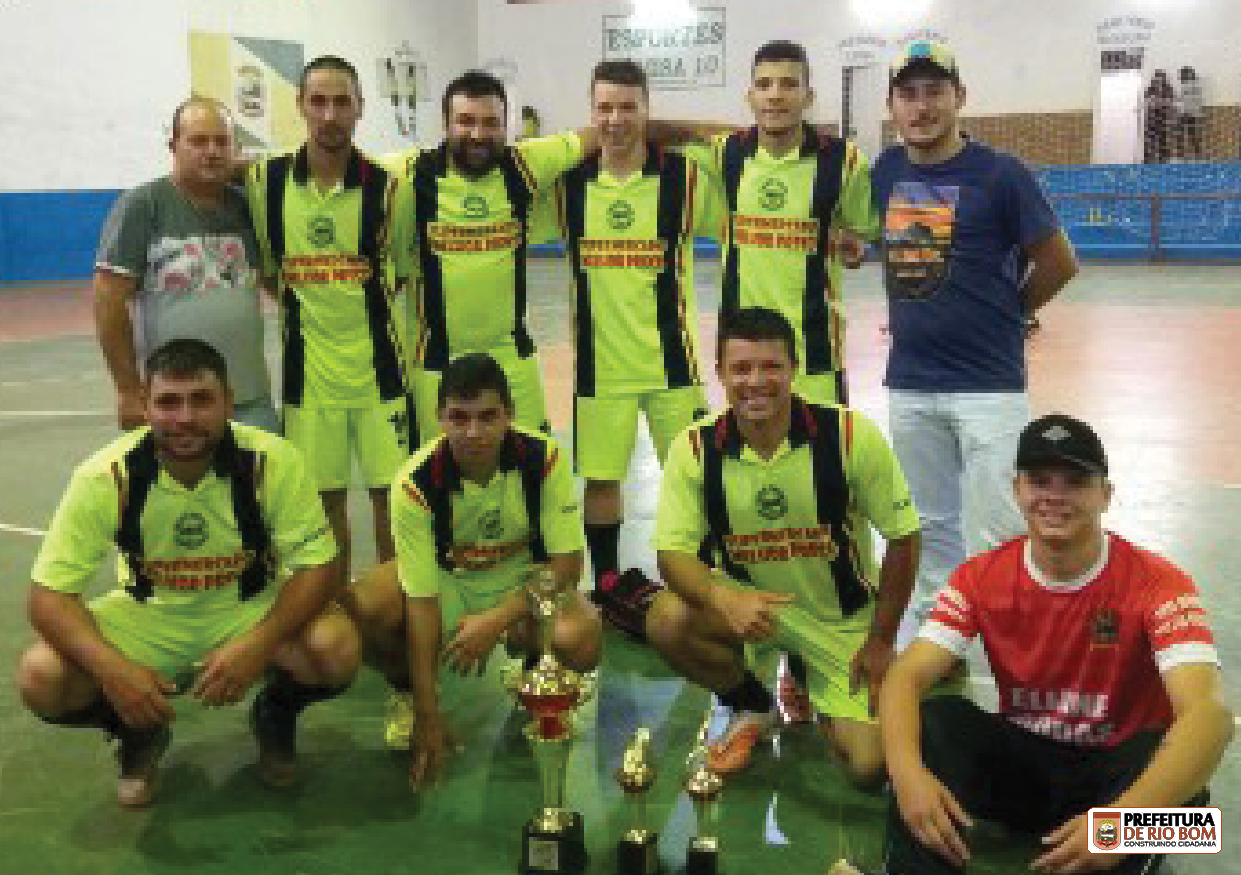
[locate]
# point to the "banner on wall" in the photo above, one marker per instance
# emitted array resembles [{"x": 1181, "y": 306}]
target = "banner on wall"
[
  {"x": 863, "y": 50},
  {"x": 676, "y": 57},
  {"x": 402, "y": 78},
  {"x": 921, "y": 33},
  {"x": 1125, "y": 32},
  {"x": 257, "y": 80}
]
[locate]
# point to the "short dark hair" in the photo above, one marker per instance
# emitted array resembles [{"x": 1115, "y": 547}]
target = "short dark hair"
[
  {"x": 467, "y": 377},
  {"x": 197, "y": 100},
  {"x": 754, "y": 323},
  {"x": 474, "y": 83},
  {"x": 328, "y": 62},
  {"x": 620, "y": 72},
  {"x": 782, "y": 50},
  {"x": 186, "y": 357}
]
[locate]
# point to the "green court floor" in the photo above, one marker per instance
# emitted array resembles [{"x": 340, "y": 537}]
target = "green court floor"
[{"x": 355, "y": 814}]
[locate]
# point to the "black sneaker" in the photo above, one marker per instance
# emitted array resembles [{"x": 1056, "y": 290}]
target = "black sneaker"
[
  {"x": 138, "y": 754},
  {"x": 624, "y": 600},
  {"x": 275, "y": 731}
]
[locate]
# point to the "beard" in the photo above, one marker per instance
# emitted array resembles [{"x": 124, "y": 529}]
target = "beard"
[
  {"x": 475, "y": 158},
  {"x": 186, "y": 445}
]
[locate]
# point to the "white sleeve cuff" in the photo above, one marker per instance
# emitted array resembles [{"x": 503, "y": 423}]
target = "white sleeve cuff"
[
  {"x": 1186, "y": 653},
  {"x": 945, "y": 636},
  {"x": 113, "y": 268}
]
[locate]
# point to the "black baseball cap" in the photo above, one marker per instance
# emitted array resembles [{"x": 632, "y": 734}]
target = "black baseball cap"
[{"x": 1057, "y": 439}]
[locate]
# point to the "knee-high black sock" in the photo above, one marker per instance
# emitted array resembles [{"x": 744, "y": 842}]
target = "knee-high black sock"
[
  {"x": 99, "y": 714},
  {"x": 603, "y": 541},
  {"x": 401, "y": 684},
  {"x": 288, "y": 696},
  {"x": 797, "y": 668},
  {"x": 749, "y": 695}
]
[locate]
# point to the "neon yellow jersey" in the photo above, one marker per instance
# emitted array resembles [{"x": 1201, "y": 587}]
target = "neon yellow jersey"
[
  {"x": 343, "y": 346},
  {"x": 451, "y": 532},
  {"x": 779, "y": 253},
  {"x": 776, "y": 538},
  {"x": 631, "y": 250},
  {"x": 464, "y": 240},
  {"x": 191, "y": 540}
]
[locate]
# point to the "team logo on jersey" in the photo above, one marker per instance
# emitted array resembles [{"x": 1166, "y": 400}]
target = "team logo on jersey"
[
  {"x": 620, "y": 215},
  {"x": 773, "y": 193},
  {"x": 322, "y": 231},
  {"x": 474, "y": 207},
  {"x": 1106, "y": 829},
  {"x": 771, "y": 503},
  {"x": 190, "y": 530},
  {"x": 491, "y": 525},
  {"x": 1104, "y": 629}
]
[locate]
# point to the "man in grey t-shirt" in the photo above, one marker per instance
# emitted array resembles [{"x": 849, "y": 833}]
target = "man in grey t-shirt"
[{"x": 182, "y": 251}]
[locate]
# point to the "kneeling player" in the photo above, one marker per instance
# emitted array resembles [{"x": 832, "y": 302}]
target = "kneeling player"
[
  {"x": 474, "y": 512},
  {"x": 1107, "y": 674},
  {"x": 788, "y": 491},
  {"x": 205, "y": 512}
]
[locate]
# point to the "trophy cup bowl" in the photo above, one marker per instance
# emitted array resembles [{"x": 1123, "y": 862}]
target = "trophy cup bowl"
[
  {"x": 703, "y": 788},
  {"x": 636, "y": 853},
  {"x": 554, "y": 841}
]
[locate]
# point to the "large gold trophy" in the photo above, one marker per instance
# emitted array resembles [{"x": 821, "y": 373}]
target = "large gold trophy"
[
  {"x": 703, "y": 787},
  {"x": 637, "y": 854},
  {"x": 553, "y": 842}
]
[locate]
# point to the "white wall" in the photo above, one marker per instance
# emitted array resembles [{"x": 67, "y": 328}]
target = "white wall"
[
  {"x": 89, "y": 87},
  {"x": 1015, "y": 57}
]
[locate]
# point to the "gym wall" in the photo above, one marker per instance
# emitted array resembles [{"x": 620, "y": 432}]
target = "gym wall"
[
  {"x": 90, "y": 89},
  {"x": 1016, "y": 58}
]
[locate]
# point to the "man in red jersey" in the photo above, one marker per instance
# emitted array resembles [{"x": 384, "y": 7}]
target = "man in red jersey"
[{"x": 1107, "y": 673}]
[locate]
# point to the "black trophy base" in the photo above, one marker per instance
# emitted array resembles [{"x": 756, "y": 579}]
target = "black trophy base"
[
  {"x": 561, "y": 852},
  {"x": 702, "y": 861},
  {"x": 635, "y": 857}
]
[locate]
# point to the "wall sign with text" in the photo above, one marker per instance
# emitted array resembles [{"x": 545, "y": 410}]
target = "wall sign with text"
[{"x": 681, "y": 56}]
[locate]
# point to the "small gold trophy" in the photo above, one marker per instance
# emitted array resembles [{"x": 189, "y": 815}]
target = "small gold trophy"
[
  {"x": 636, "y": 854},
  {"x": 703, "y": 787},
  {"x": 553, "y": 842}
]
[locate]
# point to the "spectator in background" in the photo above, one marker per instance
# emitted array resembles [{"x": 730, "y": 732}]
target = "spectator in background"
[
  {"x": 1189, "y": 124},
  {"x": 1160, "y": 102}
]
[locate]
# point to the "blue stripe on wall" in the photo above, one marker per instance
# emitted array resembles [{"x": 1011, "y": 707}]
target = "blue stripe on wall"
[{"x": 51, "y": 235}]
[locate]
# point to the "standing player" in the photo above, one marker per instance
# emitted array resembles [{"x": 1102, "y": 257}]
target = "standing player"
[
  {"x": 322, "y": 216},
  {"x": 180, "y": 250},
  {"x": 630, "y": 216},
  {"x": 790, "y": 190},
  {"x": 476, "y": 510},
  {"x": 205, "y": 514},
  {"x": 1108, "y": 679},
  {"x": 787, "y": 491},
  {"x": 971, "y": 246},
  {"x": 463, "y": 218}
]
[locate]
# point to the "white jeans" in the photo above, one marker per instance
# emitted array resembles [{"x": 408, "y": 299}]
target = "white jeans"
[{"x": 957, "y": 450}]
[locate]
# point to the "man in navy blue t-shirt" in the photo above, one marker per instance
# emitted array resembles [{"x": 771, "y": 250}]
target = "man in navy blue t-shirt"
[{"x": 971, "y": 249}]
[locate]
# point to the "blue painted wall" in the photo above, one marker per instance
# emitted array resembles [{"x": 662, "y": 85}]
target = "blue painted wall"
[
  {"x": 53, "y": 235},
  {"x": 50, "y": 235}
]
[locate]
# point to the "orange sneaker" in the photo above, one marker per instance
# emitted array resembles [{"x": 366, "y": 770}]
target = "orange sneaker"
[
  {"x": 731, "y": 751},
  {"x": 791, "y": 697}
]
